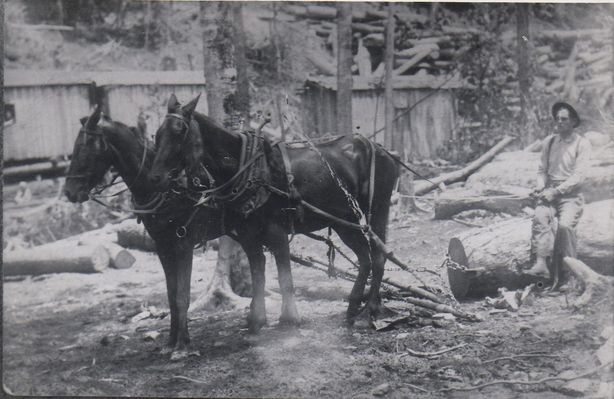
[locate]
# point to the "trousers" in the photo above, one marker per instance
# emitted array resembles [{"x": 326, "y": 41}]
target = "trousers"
[{"x": 553, "y": 231}]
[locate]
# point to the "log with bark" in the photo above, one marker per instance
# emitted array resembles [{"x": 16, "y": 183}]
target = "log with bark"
[
  {"x": 450, "y": 203},
  {"x": 422, "y": 187},
  {"x": 497, "y": 255},
  {"x": 54, "y": 258},
  {"x": 130, "y": 234}
]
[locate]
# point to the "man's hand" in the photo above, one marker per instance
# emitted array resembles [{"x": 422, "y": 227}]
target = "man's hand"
[{"x": 549, "y": 194}]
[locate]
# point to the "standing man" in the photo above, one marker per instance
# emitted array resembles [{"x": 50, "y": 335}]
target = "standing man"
[{"x": 564, "y": 161}]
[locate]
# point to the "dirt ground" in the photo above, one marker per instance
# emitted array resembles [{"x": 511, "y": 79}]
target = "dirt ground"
[{"x": 77, "y": 334}]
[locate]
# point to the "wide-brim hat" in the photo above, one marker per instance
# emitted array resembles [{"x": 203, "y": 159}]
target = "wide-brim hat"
[{"x": 572, "y": 111}]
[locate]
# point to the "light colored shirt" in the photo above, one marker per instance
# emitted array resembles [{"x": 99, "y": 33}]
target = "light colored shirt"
[{"x": 564, "y": 162}]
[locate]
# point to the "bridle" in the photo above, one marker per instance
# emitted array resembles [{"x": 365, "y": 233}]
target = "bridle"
[{"x": 107, "y": 146}]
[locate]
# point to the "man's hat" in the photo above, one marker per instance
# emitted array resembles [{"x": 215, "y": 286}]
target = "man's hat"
[{"x": 572, "y": 112}]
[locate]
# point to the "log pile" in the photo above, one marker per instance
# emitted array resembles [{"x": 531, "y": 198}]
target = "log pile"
[
  {"x": 427, "y": 52},
  {"x": 573, "y": 63},
  {"x": 569, "y": 63}
]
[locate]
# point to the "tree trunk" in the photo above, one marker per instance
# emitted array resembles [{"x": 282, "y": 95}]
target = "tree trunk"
[
  {"x": 54, "y": 258},
  {"x": 223, "y": 38},
  {"x": 388, "y": 88},
  {"x": 344, "y": 68},
  {"x": 524, "y": 79},
  {"x": 497, "y": 255}
]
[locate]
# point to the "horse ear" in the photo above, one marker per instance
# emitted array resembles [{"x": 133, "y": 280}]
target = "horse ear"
[
  {"x": 189, "y": 108},
  {"x": 173, "y": 105},
  {"x": 84, "y": 120},
  {"x": 92, "y": 121}
]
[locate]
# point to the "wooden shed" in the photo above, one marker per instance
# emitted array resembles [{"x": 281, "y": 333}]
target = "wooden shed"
[
  {"x": 48, "y": 105},
  {"x": 425, "y": 107}
]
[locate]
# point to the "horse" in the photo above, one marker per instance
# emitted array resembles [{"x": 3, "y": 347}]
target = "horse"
[
  {"x": 344, "y": 183},
  {"x": 173, "y": 222}
]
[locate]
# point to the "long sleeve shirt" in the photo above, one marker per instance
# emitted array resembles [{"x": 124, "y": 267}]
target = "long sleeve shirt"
[{"x": 564, "y": 162}]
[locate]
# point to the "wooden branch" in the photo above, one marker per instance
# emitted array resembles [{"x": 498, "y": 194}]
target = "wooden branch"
[
  {"x": 440, "y": 308},
  {"x": 521, "y": 382},
  {"x": 51, "y": 258},
  {"x": 422, "y": 187},
  {"x": 431, "y": 354}
]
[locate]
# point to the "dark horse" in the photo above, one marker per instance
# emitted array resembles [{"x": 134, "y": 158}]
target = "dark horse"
[
  {"x": 335, "y": 177},
  {"x": 102, "y": 143}
]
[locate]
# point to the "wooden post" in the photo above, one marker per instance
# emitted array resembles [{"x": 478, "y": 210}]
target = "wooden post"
[
  {"x": 388, "y": 91},
  {"x": 344, "y": 68}
]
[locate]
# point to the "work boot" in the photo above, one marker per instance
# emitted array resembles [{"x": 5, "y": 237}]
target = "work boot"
[{"x": 540, "y": 268}]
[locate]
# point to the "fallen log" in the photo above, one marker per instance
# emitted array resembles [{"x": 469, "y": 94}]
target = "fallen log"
[
  {"x": 53, "y": 258},
  {"x": 495, "y": 256},
  {"x": 415, "y": 59},
  {"x": 121, "y": 258},
  {"x": 422, "y": 187},
  {"x": 130, "y": 234},
  {"x": 573, "y": 34},
  {"x": 446, "y": 207}
]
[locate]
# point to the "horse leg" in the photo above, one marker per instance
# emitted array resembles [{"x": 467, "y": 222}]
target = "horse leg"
[
  {"x": 277, "y": 240},
  {"x": 257, "y": 309},
  {"x": 358, "y": 243},
  {"x": 177, "y": 265}
]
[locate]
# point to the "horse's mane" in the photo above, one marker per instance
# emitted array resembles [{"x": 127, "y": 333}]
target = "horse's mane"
[
  {"x": 140, "y": 136},
  {"x": 212, "y": 124}
]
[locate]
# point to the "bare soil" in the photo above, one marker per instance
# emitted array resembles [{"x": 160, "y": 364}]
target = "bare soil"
[{"x": 76, "y": 334}]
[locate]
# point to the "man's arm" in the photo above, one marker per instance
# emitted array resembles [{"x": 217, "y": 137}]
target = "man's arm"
[
  {"x": 581, "y": 167},
  {"x": 542, "y": 173}
]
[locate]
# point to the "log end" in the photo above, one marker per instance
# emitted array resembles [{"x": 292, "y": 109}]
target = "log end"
[
  {"x": 123, "y": 260},
  {"x": 100, "y": 259}
]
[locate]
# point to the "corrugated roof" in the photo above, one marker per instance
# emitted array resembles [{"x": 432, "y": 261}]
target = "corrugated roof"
[
  {"x": 398, "y": 82},
  {"x": 20, "y": 78}
]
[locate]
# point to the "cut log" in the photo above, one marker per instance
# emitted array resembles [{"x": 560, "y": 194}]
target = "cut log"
[
  {"x": 410, "y": 52},
  {"x": 573, "y": 34},
  {"x": 323, "y": 62},
  {"x": 121, "y": 258},
  {"x": 53, "y": 258},
  {"x": 419, "y": 56},
  {"x": 366, "y": 28},
  {"x": 133, "y": 235},
  {"x": 496, "y": 256},
  {"x": 321, "y": 12},
  {"x": 422, "y": 187},
  {"x": 446, "y": 207}
]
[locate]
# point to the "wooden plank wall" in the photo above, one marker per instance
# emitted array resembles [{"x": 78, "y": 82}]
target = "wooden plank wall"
[
  {"x": 47, "y": 120},
  {"x": 126, "y": 102},
  {"x": 419, "y": 132}
]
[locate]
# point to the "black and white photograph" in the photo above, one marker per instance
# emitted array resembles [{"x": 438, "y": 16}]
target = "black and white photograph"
[{"x": 290, "y": 199}]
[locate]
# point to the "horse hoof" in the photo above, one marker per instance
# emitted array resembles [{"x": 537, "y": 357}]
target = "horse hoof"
[
  {"x": 166, "y": 350},
  {"x": 179, "y": 355},
  {"x": 289, "y": 322},
  {"x": 254, "y": 326}
]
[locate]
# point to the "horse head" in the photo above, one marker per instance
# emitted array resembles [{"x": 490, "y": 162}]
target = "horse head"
[
  {"x": 178, "y": 140},
  {"x": 90, "y": 160}
]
